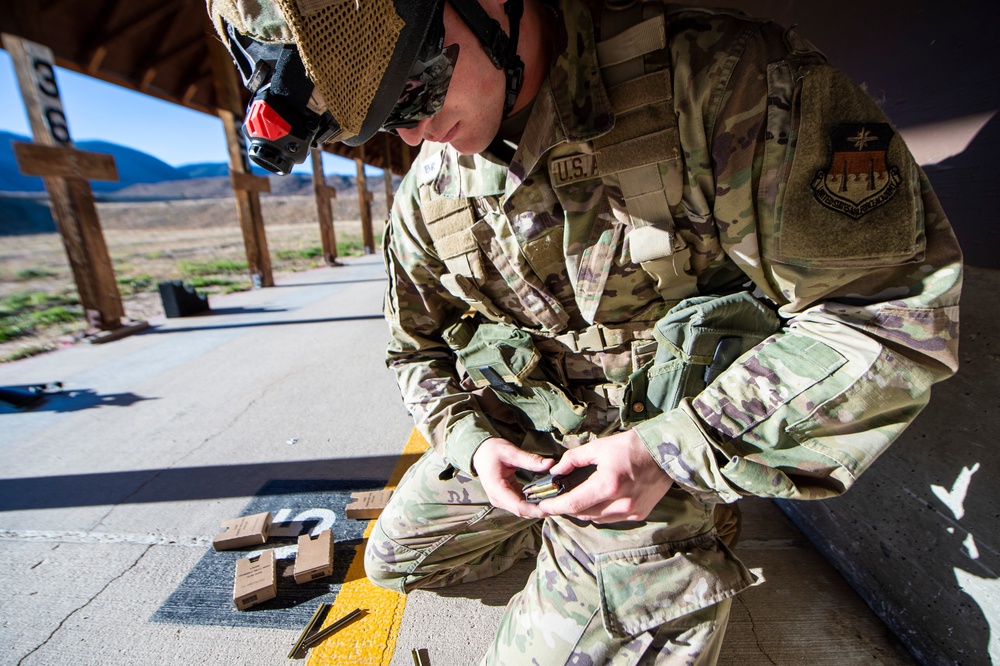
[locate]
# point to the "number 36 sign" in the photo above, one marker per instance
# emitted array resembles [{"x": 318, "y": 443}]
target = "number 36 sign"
[{"x": 37, "y": 76}]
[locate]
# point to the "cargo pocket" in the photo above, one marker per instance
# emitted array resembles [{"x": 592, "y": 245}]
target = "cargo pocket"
[{"x": 643, "y": 588}]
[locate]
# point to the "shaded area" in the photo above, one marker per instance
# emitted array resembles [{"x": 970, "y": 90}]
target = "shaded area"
[
  {"x": 182, "y": 483},
  {"x": 917, "y": 535},
  {"x": 67, "y": 400},
  {"x": 967, "y": 187},
  {"x": 317, "y": 284},
  {"x": 159, "y": 330},
  {"x": 205, "y": 596}
]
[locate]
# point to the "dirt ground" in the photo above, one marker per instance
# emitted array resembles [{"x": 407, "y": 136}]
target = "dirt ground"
[{"x": 158, "y": 241}]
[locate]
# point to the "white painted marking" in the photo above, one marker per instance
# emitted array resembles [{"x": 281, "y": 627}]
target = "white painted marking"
[
  {"x": 283, "y": 526},
  {"x": 954, "y": 499},
  {"x": 986, "y": 593},
  {"x": 970, "y": 546}
]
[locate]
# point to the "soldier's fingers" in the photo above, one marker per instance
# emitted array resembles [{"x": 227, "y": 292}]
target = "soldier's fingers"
[{"x": 578, "y": 457}]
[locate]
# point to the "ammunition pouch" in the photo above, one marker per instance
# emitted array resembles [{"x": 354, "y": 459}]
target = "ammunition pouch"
[
  {"x": 505, "y": 360},
  {"x": 696, "y": 340}
]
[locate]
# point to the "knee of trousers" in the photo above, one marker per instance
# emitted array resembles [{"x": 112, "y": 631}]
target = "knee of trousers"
[{"x": 387, "y": 563}]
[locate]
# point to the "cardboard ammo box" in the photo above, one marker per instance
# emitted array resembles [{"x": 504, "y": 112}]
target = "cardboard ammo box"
[
  {"x": 245, "y": 531},
  {"x": 256, "y": 580},
  {"x": 315, "y": 557},
  {"x": 367, "y": 504}
]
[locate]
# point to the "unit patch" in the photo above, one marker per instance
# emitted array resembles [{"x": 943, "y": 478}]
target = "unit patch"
[{"x": 858, "y": 178}]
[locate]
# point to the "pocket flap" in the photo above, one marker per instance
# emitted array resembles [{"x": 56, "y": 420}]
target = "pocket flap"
[{"x": 642, "y": 588}]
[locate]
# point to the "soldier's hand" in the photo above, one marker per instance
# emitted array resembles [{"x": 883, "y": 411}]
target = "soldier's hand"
[
  {"x": 626, "y": 486},
  {"x": 496, "y": 461}
]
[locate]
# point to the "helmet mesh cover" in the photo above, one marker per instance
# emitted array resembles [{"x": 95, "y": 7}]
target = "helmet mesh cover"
[{"x": 346, "y": 49}]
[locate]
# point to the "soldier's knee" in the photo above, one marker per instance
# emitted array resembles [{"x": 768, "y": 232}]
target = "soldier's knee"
[{"x": 387, "y": 564}]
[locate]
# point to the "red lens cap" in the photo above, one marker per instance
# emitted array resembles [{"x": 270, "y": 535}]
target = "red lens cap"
[{"x": 263, "y": 122}]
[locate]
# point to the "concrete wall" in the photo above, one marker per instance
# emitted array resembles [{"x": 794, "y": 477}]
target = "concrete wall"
[{"x": 919, "y": 535}]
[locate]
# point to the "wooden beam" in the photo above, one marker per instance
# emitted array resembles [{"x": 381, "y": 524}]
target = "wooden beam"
[
  {"x": 94, "y": 48},
  {"x": 37, "y": 160},
  {"x": 249, "y": 182},
  {"x": 247, "y": 201},
  {"x": 365, "y": 204},
  {"x": 323, "y": 194},
  {"x": 387, "y": 171}
]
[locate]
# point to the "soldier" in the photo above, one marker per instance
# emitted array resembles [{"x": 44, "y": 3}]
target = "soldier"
[{"x": 671, "y": 251}]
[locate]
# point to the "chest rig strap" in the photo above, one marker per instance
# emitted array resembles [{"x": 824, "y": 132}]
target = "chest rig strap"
[
  {"x": 449, "y": 222},
  {"x": 642, "y": 154}
]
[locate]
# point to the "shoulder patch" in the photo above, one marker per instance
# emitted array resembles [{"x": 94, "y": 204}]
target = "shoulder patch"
[
  {"x": 859, "y": 178},
  {"x": 851, "y": 192}
]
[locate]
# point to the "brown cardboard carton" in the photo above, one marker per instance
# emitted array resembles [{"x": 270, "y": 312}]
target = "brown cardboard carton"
[
  {"x": 256, "y": 580},
  {"x": 315, "y": 557},
  {"x": 367, "y": 505},
  {"x": 244, "y": 531}
]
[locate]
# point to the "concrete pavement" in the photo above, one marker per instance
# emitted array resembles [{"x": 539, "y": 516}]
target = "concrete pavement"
[{"x": 278, "y": 400}]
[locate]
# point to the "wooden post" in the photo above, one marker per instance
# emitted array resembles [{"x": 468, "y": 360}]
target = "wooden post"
[
  {"x": 66, "y": 172},
  {"x": 246, "y": 186},
  {"x": 387, "y": 171},
  {"x": 324, "y": 193},
  {"x": 365, "y": 205}
]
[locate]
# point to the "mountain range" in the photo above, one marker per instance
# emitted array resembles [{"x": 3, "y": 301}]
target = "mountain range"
[
  {"x": 144, "y": 177},
  {"x": 24, "y": 205}
]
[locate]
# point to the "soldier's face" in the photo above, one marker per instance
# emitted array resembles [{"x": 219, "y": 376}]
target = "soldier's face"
[{"x": 473, "y": 107}]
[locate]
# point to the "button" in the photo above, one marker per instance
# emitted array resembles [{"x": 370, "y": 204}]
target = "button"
[{"x": 638, "y": 408}]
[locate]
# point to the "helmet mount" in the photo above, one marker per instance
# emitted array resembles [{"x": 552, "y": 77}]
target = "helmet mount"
[{"x": 310, "y": 86}]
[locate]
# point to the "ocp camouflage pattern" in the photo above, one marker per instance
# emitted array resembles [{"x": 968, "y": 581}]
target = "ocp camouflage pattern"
[{"x": 869, "y": 306}]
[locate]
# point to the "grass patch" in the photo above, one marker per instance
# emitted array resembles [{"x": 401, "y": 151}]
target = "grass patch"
[
  {"x": 307, "y": 253},
  {"x": 34, "y": 273},
  {"x": 25, "y": 352},
  {"x": 135, "y": 284},
  {"x": 211, "y": 281},
  {"x": 222, "y": 266},
  {"x": 23, "y": 322}
]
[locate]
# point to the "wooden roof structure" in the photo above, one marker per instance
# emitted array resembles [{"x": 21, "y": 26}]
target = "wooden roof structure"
[{"x": 156, "y": 47}]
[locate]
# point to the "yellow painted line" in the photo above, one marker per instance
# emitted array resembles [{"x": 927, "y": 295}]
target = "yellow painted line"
[{"x": 371, "y": 640}]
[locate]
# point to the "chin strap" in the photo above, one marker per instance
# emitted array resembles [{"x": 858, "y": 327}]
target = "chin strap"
[{"x": 501, "y": 49}]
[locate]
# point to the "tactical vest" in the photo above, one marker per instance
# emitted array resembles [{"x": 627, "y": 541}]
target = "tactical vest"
[{"x": 640, "y": 158}]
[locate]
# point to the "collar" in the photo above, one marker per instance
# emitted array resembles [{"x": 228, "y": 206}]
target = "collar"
[{"x": 572, "y": 105}]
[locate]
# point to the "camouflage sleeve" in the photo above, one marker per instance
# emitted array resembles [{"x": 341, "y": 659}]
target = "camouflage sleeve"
[
  {"x": 817, "y": 200},
  {"x": 416, "y": 304}
]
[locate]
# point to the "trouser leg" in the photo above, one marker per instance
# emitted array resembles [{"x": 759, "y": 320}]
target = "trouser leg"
[
  {"x": 437, "y": 532},
  {"x": 650, "y": 599}
]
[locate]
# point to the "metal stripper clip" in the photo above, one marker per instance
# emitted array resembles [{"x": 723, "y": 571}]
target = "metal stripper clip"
[{"x": 551, "y": 485}]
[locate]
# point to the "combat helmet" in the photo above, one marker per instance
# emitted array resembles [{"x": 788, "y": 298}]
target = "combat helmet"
[{"x": 341, "y": 70}]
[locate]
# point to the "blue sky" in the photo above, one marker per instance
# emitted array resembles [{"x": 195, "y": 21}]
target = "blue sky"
[{"x": 99, "y": 110}]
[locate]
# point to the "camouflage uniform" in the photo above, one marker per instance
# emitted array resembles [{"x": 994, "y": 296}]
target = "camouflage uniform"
[{"x": 787, "y": 177}]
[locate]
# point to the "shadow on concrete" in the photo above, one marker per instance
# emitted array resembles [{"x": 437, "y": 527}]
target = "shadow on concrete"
[
  {"x": 917, "y": 536},
  {"x": 326, "y": 282},
  {"x": 183, "y": 483},
  {"x": 235, "y": 311},
  {"x": 74, "y": 400},
  {"x": 160, "y": 330}
]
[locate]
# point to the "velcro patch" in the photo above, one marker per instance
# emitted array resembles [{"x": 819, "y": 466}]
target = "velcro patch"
[
  {"x": 851, "y": 197},
  {"x": 573, "y": 168}
]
